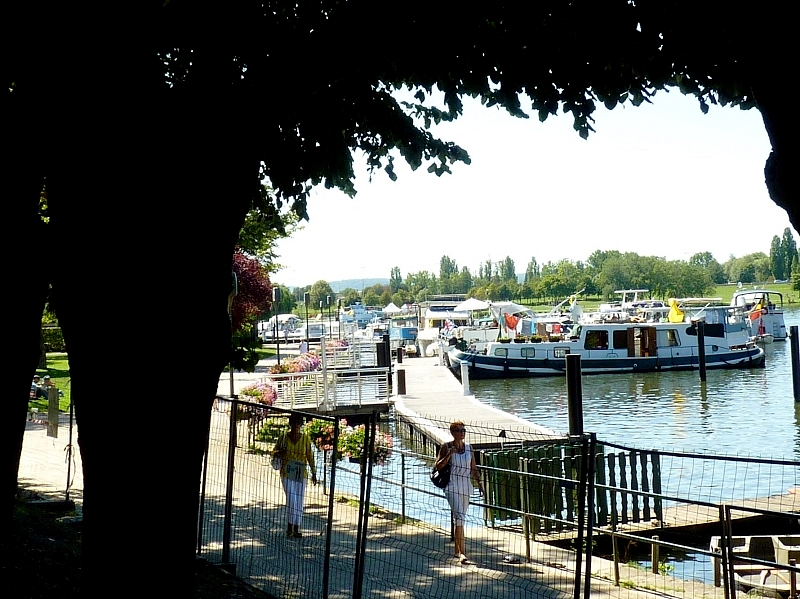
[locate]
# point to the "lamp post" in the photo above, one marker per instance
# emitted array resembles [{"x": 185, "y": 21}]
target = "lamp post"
[
  {"x": 276, "y": 300},
  {"x": 338, "y": 316},
  {"x": 328, "y": 301},
  {"x": 306, "y": 299},
  {"x": 321, "y": 314}
]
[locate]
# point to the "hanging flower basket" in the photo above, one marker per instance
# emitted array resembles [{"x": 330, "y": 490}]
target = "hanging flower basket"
[{"x": 351, "y": 443}]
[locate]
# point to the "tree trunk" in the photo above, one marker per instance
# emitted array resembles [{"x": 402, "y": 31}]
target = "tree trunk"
[{"x": 25, "y": 271}]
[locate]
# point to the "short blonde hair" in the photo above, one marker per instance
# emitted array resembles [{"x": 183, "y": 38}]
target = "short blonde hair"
[{"x": 455, "y": 424}]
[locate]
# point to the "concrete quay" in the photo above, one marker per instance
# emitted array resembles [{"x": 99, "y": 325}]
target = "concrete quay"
[{"x": 434, "y": 397}]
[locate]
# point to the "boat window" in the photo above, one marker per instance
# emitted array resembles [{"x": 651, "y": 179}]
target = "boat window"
[
  {"x": 501, "y": 351},
  {"x": 560, "y": 352},
  {"x": 710, "y": 330},
  {"x": 528, "y": 352},
  {"x": 621, "y": 339},
  {"x": 667, "y": 338},
  {"x": 596, "y": 339}
]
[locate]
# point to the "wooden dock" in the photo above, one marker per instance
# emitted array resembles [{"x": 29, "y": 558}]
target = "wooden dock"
[{"x": 434, "y": 398}]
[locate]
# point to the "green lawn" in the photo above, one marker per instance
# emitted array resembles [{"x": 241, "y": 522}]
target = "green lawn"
[{"x": 58, "y": 369}]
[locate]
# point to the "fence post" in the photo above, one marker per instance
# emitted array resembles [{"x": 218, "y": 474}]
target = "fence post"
[
  {"x": 402, "y": 481},
  {"x": 226, "y": 531},
  {"x": 401, "y": 381}
]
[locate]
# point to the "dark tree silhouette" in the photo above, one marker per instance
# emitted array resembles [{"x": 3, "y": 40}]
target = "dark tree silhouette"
[{"x": 154, "y": 125}]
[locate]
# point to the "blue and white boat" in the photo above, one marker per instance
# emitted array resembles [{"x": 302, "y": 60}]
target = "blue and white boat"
[{"x": 607, "y": 347}]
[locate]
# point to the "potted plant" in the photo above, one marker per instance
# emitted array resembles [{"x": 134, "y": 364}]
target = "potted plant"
[{"x": 536, "y": 339}]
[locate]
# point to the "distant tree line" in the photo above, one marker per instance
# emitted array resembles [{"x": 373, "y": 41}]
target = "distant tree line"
[{"x": 600, "y": 275}]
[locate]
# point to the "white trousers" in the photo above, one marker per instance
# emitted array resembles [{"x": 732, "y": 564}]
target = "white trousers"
[{"x": 295, "y": 493}]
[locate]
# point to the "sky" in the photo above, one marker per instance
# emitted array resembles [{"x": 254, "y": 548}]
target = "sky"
[{"x": 658, "y": 180}]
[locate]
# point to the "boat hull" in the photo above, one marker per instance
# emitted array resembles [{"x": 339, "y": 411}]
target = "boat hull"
[{"x": 488, "y": 367}]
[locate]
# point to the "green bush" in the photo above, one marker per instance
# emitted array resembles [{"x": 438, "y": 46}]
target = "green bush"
[{"x": 53, "y": 339}]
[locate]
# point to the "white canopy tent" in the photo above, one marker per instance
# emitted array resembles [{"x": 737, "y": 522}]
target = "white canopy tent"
[
  {"x": 391, "y": 309},
  {"x": 471, "y": 304}
]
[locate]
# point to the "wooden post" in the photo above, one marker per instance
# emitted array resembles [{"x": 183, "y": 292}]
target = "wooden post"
[
  {"x": 654, "y": 555},
  {"x": 701, "y": 347},
  {"x": 52, "y": 412},
  {"x": 401, "y": 381},
  {"x": 574, "y": 394},
  {"x": 795, "y": 343}
]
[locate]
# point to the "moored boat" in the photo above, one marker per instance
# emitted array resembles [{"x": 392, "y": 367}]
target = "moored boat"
[
  {"x": 758, "y": 577},
  {"x": 620, "y": 347},
  {"x": 764, "y": 310}
]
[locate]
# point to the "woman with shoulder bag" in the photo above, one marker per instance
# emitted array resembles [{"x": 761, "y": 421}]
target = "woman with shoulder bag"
[
  {"x": 463, "y": 471},
  {"x": 294, "y": 448}
]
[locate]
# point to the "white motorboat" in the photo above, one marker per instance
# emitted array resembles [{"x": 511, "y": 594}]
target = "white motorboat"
[
  {"x": 764, "y": 309},
  {"x": 763, "y": 579}
]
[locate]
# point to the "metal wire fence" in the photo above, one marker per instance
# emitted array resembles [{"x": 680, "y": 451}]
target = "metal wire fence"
[{"x": 646, "y": 516}]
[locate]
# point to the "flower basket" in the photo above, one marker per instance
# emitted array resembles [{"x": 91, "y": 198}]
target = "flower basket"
[
  {"x": 307, "y": 362},
  {"x": 262, "y": 392},
  {"x": 321, "y": 434},
  {"x": 351, "y": 444}
]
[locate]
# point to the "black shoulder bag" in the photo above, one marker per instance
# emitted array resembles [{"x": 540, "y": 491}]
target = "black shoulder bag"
[{"x": 441, "y": 478}]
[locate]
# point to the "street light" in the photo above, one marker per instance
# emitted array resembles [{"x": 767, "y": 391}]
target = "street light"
[
  {"x": 338, "y": 314},
  {"x": 306, "y": 299},
  {"x": 276, "y": 300},
  {"x": 328, "y": 300},
  {"x": 322, "y": 325}
]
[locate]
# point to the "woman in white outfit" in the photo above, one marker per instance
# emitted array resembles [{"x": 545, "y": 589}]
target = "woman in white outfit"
[{"x": 462, "y": 472}]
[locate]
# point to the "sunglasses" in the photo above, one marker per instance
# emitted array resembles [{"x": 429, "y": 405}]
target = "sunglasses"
[{"x": 459, "y": 430}]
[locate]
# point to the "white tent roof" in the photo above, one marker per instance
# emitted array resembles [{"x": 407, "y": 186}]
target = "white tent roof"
[
  {"x": 471, "y": 304},
  {"x": 391, "y": 309}
]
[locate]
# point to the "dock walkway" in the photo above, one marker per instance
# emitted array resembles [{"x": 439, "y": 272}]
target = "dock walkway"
[{"x": 434, "y": 398}]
